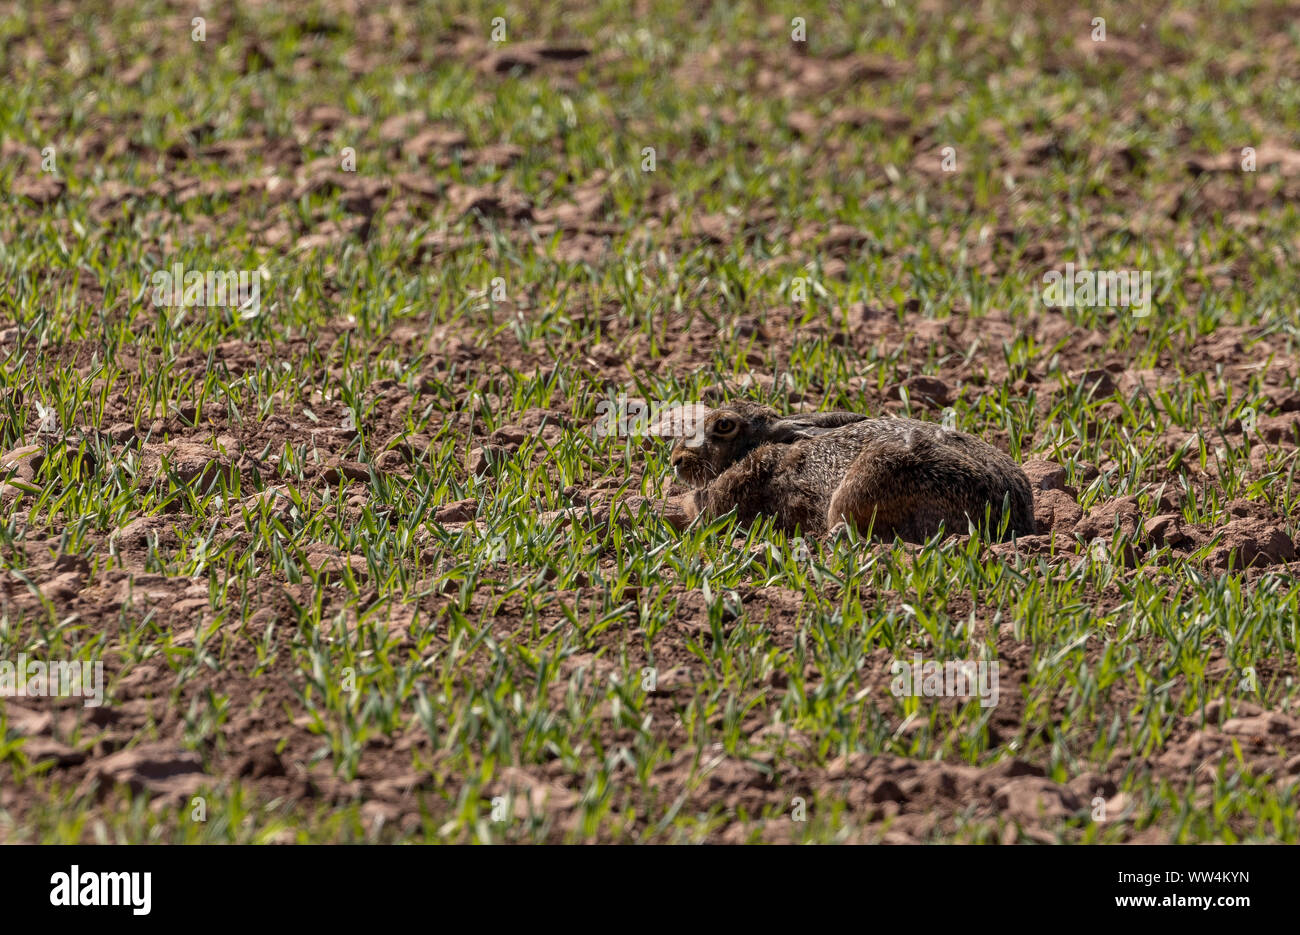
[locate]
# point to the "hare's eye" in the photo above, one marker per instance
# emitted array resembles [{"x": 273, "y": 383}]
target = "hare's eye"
[{"x": 725, "y": 427}]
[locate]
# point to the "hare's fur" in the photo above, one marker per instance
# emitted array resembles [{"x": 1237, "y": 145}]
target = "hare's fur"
[{"x": 814, "y": 471}]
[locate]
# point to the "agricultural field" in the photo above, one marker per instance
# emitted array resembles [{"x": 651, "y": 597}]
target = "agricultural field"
[{"x": 313, "y": 318}]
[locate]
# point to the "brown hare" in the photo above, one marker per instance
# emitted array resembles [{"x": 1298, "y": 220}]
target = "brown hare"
[{"x": 815, "y": 471}]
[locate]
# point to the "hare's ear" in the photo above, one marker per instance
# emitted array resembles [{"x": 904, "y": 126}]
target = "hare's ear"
[
  {"x": 685, "y": 421},
  {"x": 808, "y": 424}
]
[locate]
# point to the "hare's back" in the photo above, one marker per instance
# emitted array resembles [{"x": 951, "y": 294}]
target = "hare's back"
[{"x": 927, "y": 438}]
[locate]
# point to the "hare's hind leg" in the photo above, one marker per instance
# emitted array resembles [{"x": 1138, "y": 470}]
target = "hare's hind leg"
[{"x": 892, "y": 489}]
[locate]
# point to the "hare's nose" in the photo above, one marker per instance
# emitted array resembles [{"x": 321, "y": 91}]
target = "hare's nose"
[{"x": 676, "y": 457}]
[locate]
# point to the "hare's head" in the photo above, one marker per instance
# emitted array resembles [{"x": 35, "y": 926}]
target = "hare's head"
[{"x": 718, "y": 438}]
